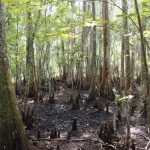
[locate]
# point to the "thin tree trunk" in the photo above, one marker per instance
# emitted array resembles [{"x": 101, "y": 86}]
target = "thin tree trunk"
[
  {"x": 126, "y": 48},
  {"x": 70, "y": 77},
  {"x": 81, "y": 64},
  {"x": 144, "y": 61},
  {"x": 88, "y": 51},
  {"x": 64, "y": 60},
  {"x": 122, "y": 83},
  {"x": 17, "y": 64},
  {"x": 92, "y": 94},
  {"x": 106, "y": 50},
  {"x": 132, "y": 65},
  {"x": 30, "y": 58},
  {"x": 100, "y": 53},
  {"x": 30, "y": 62},
  {"x": 126, "y": 51}
]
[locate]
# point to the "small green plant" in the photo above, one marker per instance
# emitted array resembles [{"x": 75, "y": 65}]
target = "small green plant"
[{"x": 119, "y": 100}]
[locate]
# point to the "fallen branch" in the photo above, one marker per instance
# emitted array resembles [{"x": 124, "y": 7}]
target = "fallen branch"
[
  {"x": 140, "y": 148},
  {"x": 82, "y": 148},
  {"x": 80, "y": 140},
  {"x": 142, "y": 135},
  {"x": 94, "y": 140},
  {"x": 118, "y": 143},
  {"x": 146, "y": 147},
  {"x": 48, "y": 139}
]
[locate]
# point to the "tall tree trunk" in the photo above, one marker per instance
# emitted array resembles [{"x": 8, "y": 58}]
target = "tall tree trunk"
[
  {"x": 122, "y": 83},
  {"x": 64, "y": 60},
  {"x": 126, "y": 48},
  {"x": 92, "y": 94},
  {"x": 70, "y": 77},
  {"x": 12, "y": 134},
  {"x": 143, "y": 26},
  {"x": 132, "y": 65},
  {"x": 30, "y": 62},
  {"x": 100, "y": 52},
  {"x": 106, "y": 50},
  {"x": 144, "y": 62},
  {"x": 88, "y": 52},
  {"x": 81, "y": 64},
  {"x": 16, "y": 61},
  {"x": 39, "y": 68}
]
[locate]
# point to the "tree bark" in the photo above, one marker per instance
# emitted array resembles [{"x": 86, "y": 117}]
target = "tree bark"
[
  {"x": 122, "y": 76},
  {"x": 83, "y": 42},
  {"x": 126, "y": 47},
  {"x": 12, "y": 133},
  {"x": 106, "y": 51},
  {"x": 144, "y": 62},
  {"x": 64, "y": 60},
  {"x": 92, "y": 94},
  {"x": 30, "y": 62},
  {"x": 70, "y": 77},
  {"x": 16, "y": 58}
]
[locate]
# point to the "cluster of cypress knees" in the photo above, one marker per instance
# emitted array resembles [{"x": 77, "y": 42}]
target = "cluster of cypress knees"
[
  {"x": 106, "y": 133},
  {"x": 106, "y": 129}
]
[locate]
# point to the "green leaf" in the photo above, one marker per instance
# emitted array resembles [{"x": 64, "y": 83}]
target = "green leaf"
[
  {"x": 121, "y": 15},
  {"x": 147, "y": 33},
  {"x": 101, "y": 21},
  {"x": 145, "y": 1},
  {"x": 65, "y": 29},
  {"x": 132, "y": 15}
]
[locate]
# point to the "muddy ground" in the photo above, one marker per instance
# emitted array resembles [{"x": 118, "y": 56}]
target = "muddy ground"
[{"x": 60, "y": 116}]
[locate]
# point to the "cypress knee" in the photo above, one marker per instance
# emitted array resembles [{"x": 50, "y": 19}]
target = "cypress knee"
[{"x": 74, "y": 124}]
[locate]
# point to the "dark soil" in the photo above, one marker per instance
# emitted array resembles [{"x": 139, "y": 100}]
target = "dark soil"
[{"x": 60, "y": 116}]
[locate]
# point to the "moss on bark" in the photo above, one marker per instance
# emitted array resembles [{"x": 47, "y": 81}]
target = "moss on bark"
[{"x": 12, "y": 133}]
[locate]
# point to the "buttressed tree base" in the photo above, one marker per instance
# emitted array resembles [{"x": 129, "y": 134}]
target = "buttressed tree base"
[{"x": 12, "y": 133}]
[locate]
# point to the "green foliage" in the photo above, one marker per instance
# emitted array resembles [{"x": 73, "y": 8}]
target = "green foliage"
[
  {"x": 56, "y": 23},
  {"x": 145, "y": 1},
  {"x": 116, "y": 54},
  {"x": 121, "y": 15},
  {"x": 118, "y": 100},
  {"x": 146, "y": 11},
  {"x": 147, "y": 33}
]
